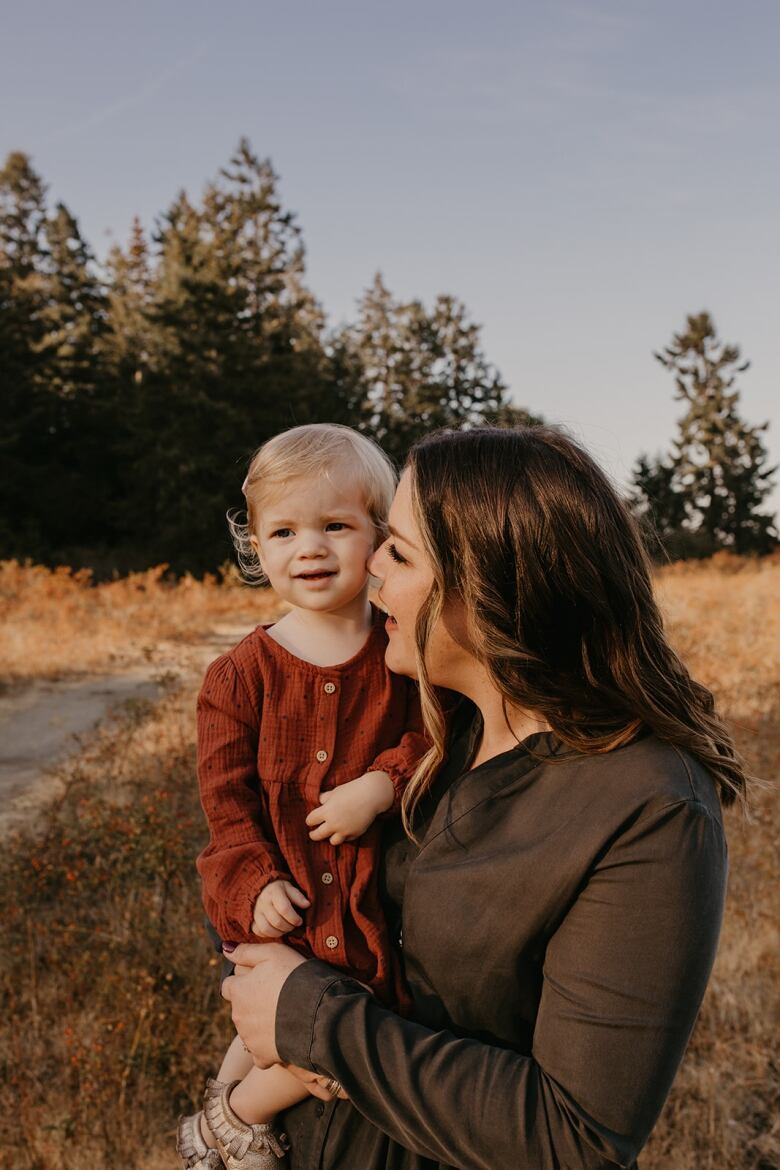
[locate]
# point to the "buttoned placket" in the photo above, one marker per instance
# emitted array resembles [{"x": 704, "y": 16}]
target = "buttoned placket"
[{"x": 328, "y": 692}]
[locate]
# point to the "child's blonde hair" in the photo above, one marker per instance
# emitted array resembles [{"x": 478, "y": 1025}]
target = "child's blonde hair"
[{"x": 311, "y": 450}]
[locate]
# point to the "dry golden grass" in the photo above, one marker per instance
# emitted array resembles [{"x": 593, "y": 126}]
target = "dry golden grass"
[
  {"x": 106, "y": 979},
  {"x": 55, "y": 622},
  {"x": 724, "y": 1111}
]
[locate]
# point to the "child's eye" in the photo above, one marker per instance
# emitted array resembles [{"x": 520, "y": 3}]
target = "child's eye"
[
  {"x": 394, "y": 554},
  {"x": 282, "y": 532},
  {"x": 336, "y": 524}
]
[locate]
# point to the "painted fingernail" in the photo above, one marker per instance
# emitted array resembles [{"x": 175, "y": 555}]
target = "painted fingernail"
[{"x": 229, "y": 947}]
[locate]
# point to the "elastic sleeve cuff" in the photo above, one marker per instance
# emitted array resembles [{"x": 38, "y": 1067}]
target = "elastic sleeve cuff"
[{"x": 296, "y": 1011}]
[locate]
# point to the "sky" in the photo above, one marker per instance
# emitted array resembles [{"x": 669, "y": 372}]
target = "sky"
[{"x": 581, "y": 174}]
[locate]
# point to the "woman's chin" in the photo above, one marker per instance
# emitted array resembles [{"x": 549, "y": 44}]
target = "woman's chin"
[{"x": 397, "y": 662}]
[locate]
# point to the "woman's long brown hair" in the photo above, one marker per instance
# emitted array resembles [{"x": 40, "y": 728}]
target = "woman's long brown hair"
[{"x": 523, "y": 527}]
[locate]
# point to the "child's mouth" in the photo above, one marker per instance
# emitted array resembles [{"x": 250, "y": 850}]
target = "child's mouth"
[{"x": 318, "y": 575}]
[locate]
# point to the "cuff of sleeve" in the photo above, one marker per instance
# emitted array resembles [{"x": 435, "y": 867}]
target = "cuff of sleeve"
[
  {"x": 241, "y": 908},
  {"x": 296, "y": 1011},
  {"x": 399, "y": 778}
]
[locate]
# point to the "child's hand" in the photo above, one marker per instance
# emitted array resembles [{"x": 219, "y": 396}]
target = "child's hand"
[
  {"x": 346, "y": 812},
  {"x": 274, "y": 912}
]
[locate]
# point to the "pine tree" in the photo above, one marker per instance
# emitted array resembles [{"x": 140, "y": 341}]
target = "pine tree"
[
  {"x": 234, "y": 355},
  {"x": 23, "y": 257},
  {"x": 708, "y": 493},
  {"x": 423, "y": 369}
]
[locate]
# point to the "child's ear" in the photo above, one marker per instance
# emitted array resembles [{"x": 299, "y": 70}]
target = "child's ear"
[{"x": 255, "y": 543}]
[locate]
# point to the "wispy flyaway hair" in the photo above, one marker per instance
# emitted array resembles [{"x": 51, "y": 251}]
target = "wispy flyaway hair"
[{"x": 313, "y": 451}]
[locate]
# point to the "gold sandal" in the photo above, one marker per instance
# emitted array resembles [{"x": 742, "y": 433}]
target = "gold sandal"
[
  {"x": 191, "y": 1146},
  {"x": 241, "y": 1146}
]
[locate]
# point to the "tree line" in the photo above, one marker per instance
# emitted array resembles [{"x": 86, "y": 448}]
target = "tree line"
[{"x": 135, "y": 390}]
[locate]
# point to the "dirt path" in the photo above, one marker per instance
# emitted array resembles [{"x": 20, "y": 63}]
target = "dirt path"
[{"x": 45, "y": 721}]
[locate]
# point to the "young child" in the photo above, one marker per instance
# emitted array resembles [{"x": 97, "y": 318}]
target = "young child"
[{"x": 304, "y": 740}]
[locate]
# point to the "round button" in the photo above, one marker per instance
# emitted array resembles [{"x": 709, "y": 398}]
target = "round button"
[
  {"x": 329, "y": 688},
  {"x": 326, "y": 878},
  {"x": 331, "y": 942},
  {"x": 322, "y": 756}
]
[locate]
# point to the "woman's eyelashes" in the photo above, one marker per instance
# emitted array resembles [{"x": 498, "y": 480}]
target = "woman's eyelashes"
[{"x": 394, "y": 554}]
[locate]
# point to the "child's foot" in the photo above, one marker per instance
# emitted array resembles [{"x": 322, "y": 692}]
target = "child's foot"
[
  {"x": 241, "y": 1145},
  {"x": 191, "y": 1147}
]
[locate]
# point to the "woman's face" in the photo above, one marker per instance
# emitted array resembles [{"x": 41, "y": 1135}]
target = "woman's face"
[{"x": 407, "y": 577}]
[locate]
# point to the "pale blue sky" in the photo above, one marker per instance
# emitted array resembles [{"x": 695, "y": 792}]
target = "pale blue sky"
[{"x": 581, "y": 174}]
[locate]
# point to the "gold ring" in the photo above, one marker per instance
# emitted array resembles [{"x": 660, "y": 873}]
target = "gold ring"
[{"x": 333, "y": 1086}]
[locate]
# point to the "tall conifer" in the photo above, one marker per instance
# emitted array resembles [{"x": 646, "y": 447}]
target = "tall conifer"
[{"x": 708, "y": 492}]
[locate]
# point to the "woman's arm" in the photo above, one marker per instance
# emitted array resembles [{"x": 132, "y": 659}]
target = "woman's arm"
[{"x": 624, "y": 975}]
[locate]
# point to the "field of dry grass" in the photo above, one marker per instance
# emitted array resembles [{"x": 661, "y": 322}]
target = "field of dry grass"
[
  {"x": 55, "y": 622},
  {"x": 111, "y": 1016}
]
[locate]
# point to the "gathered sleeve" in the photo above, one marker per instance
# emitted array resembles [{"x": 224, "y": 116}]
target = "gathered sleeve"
[
  {"x": 400, "y": 761},
  {"x": 623, "y": 979},
  {"x": 242, "y": 856}
]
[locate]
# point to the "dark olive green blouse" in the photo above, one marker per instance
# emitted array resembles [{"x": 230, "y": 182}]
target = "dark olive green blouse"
[{"x": 559, "y": 925}]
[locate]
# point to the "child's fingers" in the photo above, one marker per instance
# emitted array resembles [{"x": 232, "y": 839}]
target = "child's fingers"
[
  {"x": 282, "y": 913},
  {"x": 297, "y": 896},
  {"x": 316, "y": 816},
  {"x": 321, "y": 833},
  {"x": 337, "y": 839},
  {"x": 266, "y": 929}
]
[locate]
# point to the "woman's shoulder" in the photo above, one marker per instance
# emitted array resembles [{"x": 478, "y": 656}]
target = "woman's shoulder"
[{"x": 649, "y": 774}]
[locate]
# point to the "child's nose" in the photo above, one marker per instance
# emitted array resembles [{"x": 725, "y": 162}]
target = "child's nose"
[{"x": 313, "y": 544}]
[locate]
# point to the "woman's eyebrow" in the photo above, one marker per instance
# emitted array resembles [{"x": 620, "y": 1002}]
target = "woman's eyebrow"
[{"x": 399, "y": 536}]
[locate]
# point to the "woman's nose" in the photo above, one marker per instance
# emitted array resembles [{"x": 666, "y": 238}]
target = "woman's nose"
[{"x": 374, "y": 563}]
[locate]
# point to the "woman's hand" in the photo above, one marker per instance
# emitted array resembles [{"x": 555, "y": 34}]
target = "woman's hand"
[
  {"x": 254, "y": 996},
  {"x": 316, "y": 1084}
]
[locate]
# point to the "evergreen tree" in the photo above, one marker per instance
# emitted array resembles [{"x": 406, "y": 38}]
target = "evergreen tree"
[
  {"x": 234, "y": 355},
  {"x": 23, "y": 258},
  {"x": 423, "y": 369},
  {"x": 128, "y": 340},
  {"x": 707, "y": 494}
]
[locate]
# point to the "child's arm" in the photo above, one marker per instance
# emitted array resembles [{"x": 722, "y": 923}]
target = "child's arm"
[
  {"x": 242, "y": 856},
  {"x": 399, "y": 763},
  {"x": 345, "y": 813}
]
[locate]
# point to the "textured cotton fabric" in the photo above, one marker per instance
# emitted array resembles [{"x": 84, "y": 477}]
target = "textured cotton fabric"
[
  {"x": 559, "y": 926},
  {"x": 273, "y": 733}
]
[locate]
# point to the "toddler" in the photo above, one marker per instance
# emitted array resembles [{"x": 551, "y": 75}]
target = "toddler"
[{"x": 304, "y": 740}]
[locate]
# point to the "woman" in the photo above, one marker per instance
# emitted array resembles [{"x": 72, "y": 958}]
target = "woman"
[{"x": 563, "y": 893}]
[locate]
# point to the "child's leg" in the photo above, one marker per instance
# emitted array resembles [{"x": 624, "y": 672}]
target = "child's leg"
[
  {"x": 237, "y": 1062},
  {"x": 262, "y": 1092}
]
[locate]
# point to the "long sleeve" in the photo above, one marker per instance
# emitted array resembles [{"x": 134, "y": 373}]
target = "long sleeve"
[
  {"x": 623, "y": 978},
  {"x": 401, "y": 760},
  {"x": 242, "y": 856}
]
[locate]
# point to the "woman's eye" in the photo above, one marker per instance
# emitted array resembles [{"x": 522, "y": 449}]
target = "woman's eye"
[{"x": 394, "y": 554}]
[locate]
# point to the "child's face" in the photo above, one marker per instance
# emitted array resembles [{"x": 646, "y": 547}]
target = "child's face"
[{"x": 314, "y": 539}]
